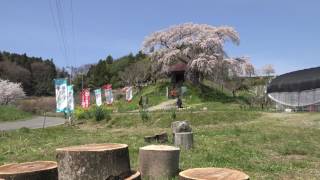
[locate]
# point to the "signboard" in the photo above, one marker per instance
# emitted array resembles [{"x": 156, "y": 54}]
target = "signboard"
[
  {"x": 85, "y": 98},
  {"x": 97, "y": 93},
  {"x": 108, "y": 93},
  {"x": 61, "y": 94}
]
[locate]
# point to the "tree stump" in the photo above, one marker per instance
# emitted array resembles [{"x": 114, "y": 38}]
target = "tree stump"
[
  {"x": 212, "y": 174},
  {"x": 184, "y": 139},
  {"x": 37, "y": 170},
  {"x": 159, "y": 161},
  {"x": 160, "y": 138},
  {"x": 180, "y": 126},
  {"x": 94, "y": 162},
  {"x": 150, "y": 139}
]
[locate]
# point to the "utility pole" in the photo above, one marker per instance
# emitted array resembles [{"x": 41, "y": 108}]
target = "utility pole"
[{"x": 81, "y": 81}]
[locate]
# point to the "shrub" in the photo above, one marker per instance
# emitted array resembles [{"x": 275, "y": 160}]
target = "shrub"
[
  {"x": 37, "y": 105},
  {"x": 94, "y": 112},
  {"x": 173, "y": 114},
  {"x": 144, "y": 115},
  {"x": 99, "y": 114},
  {"x": 81, "y": 113},
  {"x": 24, "y": 130}
]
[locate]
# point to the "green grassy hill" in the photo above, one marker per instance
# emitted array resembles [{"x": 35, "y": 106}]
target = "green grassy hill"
[{"x": 196, "y": 97}]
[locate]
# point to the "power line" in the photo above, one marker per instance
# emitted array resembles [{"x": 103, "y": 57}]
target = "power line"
[
  {"x": 61, "y": 26},
  {"x": 56, "y": 28},
  {"x": 72, "y": 29}
]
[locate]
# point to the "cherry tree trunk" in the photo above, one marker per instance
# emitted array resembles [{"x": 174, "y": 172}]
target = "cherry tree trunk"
[
  {"x": 212, "y": 174},
  {"x": 184, "y": 139},
  {"x": 38, "y": 170},
  {"x": 94, "y": 162},
  {"x": 159, "y": 161}
]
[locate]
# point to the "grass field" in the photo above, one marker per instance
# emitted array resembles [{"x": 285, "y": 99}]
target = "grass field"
[
  {"x": 11, "y": 113},
  {"x": 264, "y": 145}
]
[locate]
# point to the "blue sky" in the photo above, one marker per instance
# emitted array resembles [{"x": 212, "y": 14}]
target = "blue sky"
[{"x": 284, "y": 33}]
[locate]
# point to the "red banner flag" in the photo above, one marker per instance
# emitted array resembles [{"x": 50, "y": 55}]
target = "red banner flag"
[{"x": 85, "y": 98}]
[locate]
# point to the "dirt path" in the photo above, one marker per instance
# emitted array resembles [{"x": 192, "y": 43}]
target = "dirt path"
[
  {"x": 34, "y": 123},
  {"x": 166, "y": 105}
]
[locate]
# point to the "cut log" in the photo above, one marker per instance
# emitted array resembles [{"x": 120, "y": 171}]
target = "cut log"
[
  {"x": 159, "y": 161},
  {"x": 150, "y": 139},
  {"x": 212, "y": 174},
  {"x": 184, "y": 139},
  {"x": 37, "y": 170},
  {"x": 94, "y": 162},
  {"x": 160, "y": 138}
]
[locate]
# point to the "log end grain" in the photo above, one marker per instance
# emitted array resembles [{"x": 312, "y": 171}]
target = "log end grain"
[
  {"x": 94, "y": 147},
  {"x": 27, "y": 167},
  {"x": 160, "y": 148},
  {"x": 30, "y": 170},
  {"x": 212, "y": 174}
]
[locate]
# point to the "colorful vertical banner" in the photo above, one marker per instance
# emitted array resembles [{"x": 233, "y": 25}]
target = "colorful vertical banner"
[
  {"x": 70, "y": 107},
  {"x": 129, "y": 95},
  {"x": 97, "y": 93},
  {"x": 108, "y": 93},
  {"x": 85, "y": 98},
  {"x": 61, "y": 94}
]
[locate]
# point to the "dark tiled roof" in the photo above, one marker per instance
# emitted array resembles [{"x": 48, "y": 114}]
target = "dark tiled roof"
[{"x": 178, "y": 67}]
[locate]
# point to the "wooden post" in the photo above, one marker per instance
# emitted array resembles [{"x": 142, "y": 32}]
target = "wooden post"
[
  {"x": 184, "y": 139},
  {"x": 159, "y": 161},
  {"x": 37, "y": 170},
  {"x": 44, "y": 120},
  {"x": 212, "y": 174},
  {"x": 93, "y": 162}
]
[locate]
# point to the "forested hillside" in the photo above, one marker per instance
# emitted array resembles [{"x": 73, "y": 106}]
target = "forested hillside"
[
  {"x": 35, "y": 74},
  {"x": 127, "y": 70}
]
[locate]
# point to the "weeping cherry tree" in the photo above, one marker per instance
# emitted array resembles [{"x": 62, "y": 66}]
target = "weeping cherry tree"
[
  {"x": 200, "y": 47},
  {"x": 10, "y": 91}
]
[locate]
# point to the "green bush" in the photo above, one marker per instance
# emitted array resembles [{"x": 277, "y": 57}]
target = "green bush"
[
  {"x": 81, "y": 113},
  {"x": 173, "y": 114},
  {"x": 144, "y": 115},
  {"x": 99, "y": 114},
  {"x": 94, "y": 112}
]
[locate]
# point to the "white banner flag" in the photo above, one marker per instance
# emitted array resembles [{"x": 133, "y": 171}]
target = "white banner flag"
[
  {"x": 97, "y": 93},
  {"x": 61, "y": 94},
  {"x": 129, "y": 95}
]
